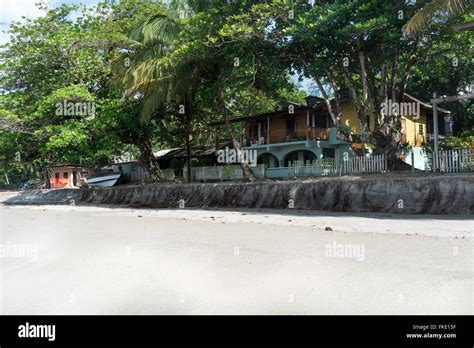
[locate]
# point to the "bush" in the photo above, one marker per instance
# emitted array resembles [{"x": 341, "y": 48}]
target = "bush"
[{"x": 464, "y": 141}]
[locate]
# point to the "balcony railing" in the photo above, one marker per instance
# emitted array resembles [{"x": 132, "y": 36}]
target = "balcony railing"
[{"x": 311, "y": 134}]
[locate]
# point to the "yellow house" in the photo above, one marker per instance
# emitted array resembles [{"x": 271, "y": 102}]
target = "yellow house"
[{"x": 417, "y": 123}]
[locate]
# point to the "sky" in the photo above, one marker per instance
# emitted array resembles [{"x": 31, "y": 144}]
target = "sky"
[{"x": 13, "y": 10}]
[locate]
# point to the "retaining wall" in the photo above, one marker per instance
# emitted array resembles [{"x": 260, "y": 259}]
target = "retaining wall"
[{"x": 393, "y": 193}]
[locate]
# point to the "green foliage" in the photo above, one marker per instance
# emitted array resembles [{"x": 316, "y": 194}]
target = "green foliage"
[
  {"x": 433, "y": 9},
  {"x": 138, "y": 61},
  {"x": 464, "y": 141},
  {"x": 70, "y": 54},
  {"x": 447, "y": 69}
]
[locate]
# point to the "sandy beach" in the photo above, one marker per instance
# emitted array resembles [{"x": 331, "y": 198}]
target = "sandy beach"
[{"x": 90, "y": 260}]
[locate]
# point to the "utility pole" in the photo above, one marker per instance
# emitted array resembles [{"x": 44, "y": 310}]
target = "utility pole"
[{"x": 435, "y": 101}]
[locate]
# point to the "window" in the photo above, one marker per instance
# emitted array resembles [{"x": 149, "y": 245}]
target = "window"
[
  {"x": 263, "y": 128},
  {"x": 56, "y": 175},
  {"x": 290, "y": 127},
  {"x": 65, "y": 175},
  {"x": 253, "y": 130},
  {"x": 320, "y": 121},
  {"x": 328, "y": 152},
  {"x": 420, "y": 129}
]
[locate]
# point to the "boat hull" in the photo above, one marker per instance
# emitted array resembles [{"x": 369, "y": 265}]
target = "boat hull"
[{"x": 104, "y": 181}]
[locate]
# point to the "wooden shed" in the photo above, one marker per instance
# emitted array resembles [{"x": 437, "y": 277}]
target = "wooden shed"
[{"x": 67, "y": 176}]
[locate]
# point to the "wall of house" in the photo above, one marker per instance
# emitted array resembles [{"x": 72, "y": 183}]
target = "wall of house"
[
  {"x": 278, "y": 129},
  {"x": 278, "y": 132},
  {"x": 61, "y": 181},
  {"x": 316, "y": 147},
  {"x": 350, "y": 118},
  {"x": 412, "y": 136}
]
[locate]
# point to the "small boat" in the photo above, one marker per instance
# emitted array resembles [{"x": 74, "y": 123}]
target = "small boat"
[{"x": 104, "y": 179}]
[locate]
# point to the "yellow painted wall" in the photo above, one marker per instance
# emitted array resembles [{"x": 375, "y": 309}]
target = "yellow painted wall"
[
  {"x": 349, "y": 118},
  {"x": 412, "y": 136}
]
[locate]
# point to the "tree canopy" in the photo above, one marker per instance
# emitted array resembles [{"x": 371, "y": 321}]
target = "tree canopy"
[{"x": 155, "y": 74}]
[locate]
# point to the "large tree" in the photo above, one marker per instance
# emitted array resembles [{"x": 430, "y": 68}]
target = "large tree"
[
  {"x": 358, "y": 47},
  {"x": 226, "y": 46},
  {"x": 68, "y": 55}
]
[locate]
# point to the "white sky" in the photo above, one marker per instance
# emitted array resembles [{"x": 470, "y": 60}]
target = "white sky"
[{"x": 13, "y": 10}]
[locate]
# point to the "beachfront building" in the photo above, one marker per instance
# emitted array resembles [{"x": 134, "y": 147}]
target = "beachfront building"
[
  {"x": 305, "y": 133},
  {"x": 67, "y": 176}
]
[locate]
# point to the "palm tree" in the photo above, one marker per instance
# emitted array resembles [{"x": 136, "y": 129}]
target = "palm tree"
[
  {"x": 157, "y": 73},
  {"x": 427, "y": 13},
  {"x": 164, "y": 71}
]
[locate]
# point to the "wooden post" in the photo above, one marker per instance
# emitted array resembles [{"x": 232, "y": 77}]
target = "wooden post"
[
  {"x": 268, "y": 131},
  {"x": 435, "y": 130}
]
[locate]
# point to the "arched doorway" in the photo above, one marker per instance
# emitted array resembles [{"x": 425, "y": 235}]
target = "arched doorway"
[
  {"x": 299, "y": 155},
  {"x": 268, "y": 159}
]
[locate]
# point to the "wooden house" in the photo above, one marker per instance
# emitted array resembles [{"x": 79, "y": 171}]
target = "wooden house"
[{"x": 306, "y": 133}]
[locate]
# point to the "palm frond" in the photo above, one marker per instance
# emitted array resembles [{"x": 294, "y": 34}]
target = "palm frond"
[
  {"x": 427, "y": 13},
  {"x": 160, "y": 71},
  {"x": 161, "y": 28}
]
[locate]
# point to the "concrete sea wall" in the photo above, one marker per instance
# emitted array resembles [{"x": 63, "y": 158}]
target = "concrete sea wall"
[{"x": 392, "y": 193}]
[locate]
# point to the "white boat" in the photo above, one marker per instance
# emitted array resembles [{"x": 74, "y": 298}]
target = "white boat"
[{"x": 104, "y": 180}]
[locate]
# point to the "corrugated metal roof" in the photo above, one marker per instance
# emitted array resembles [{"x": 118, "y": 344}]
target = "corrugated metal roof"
[{"x": 164, "y": 152}]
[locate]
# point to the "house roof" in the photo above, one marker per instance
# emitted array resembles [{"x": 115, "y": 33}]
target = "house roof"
[
  {"x": 181, "y": 152},
  {"x": 266, "y": 114},
  {"x": 164, "y": 152},
  {"x": 426, "y": 105},
  {"x": 318, "y": 102},
  {"x": 66, "y": 166}
]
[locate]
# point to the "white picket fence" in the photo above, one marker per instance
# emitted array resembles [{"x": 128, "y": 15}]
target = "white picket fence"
[
  {"x": 364, "y": 165},
  {"x": 167, "y": 175},
  {"x": 452, "y": 161},
  {"x": 330, "y": 166},
  {"x": 222, "y": 173},
  {"x": 327, "y": 166}
]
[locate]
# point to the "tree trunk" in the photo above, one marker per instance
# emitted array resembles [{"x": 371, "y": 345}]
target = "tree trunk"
[
  {"x": 247, "y": 171},
  {"x": 45, "y": 178},
  {"x": 149, "y": 161}
]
